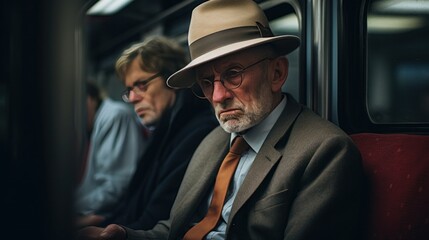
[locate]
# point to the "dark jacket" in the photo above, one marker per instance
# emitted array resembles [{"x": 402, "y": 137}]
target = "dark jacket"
[{"x": 156, "y": 181}]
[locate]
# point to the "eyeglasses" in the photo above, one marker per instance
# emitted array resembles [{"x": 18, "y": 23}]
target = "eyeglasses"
[
  {"x": 230, "y": 79},
  {"x": 141, "y": 87}
]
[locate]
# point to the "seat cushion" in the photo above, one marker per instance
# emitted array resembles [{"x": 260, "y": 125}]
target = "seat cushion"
[{"x": 397, "y": 167}]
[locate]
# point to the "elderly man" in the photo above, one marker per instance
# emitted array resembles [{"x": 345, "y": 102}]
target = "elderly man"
[{"x": 293, "y": 174}]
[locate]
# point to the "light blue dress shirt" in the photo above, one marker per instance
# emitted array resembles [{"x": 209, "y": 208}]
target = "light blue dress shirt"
[
  {"x": 117, "y": 145},
  {"x": 255, "y": 137}
]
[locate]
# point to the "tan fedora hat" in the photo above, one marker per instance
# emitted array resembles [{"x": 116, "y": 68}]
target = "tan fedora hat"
[{"x": 222, "y": 27}]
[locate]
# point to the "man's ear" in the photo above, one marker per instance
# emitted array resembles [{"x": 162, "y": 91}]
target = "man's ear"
[{"x": 280, "y": 70}]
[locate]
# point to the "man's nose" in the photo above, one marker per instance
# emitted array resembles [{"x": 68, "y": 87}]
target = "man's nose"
[
  {"x": 134, "y": 96},
  {"x": 220, "y": 92}
]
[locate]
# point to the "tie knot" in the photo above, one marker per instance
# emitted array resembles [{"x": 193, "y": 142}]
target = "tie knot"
[{"x": 239, "y": 145}]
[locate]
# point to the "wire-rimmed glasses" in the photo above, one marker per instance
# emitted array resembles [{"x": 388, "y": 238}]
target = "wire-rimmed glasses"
[
  {"x": 231, "y": 78},
  {"x": 140, "y": 86}
]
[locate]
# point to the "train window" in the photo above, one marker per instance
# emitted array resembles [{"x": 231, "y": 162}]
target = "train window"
[
  {"x": 288, "y": 24},
  {"x": 284, "y": 21},
  {"x": 398, "y": 61}
]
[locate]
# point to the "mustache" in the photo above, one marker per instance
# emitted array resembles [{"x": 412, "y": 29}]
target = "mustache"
[{"x": 228, "y": 105}]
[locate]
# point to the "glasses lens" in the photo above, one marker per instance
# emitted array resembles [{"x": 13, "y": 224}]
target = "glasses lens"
[
  {"x": 232, "y": 78},
  {"x": 126, "y": 96}
]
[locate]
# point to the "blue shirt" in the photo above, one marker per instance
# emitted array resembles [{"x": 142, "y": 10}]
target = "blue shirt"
[
  {"x": 116, "y": 148},
  {"x": 255, "y": 137}
]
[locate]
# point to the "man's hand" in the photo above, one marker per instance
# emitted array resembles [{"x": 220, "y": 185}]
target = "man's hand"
[
  {"x": 111, "y": 232},
  {"x": 114, "y": 232},
  {"x": 88, "y": 220},
  {"x": 89, "y": 233}
]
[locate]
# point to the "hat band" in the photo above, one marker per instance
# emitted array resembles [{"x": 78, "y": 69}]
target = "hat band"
[{"x": 226, "y": 37}]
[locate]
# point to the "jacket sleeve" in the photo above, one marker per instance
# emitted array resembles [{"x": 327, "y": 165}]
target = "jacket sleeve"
[
  {"x": 171, "y": 174},
  {"x": 328, "y": 204}
]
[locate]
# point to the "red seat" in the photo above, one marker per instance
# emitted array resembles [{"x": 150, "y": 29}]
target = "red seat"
[{"x": 397, "y": 167}]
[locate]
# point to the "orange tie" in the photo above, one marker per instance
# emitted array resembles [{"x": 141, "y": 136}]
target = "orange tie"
[{"x": 223, "y": 179}]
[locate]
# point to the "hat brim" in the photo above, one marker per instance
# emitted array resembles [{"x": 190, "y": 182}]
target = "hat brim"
[{"x": 185, "y": 77}]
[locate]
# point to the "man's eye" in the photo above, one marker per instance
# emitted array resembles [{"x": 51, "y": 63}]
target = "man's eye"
[
  {"x": 140, "y": 85},
  {"x": 231, "y": 73},
  {"x": 205, "y": 82}
]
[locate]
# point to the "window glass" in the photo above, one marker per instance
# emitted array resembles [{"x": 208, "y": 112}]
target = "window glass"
[
  {"x": 287, "y": 24},
  {"x": 398, "y": 61}
]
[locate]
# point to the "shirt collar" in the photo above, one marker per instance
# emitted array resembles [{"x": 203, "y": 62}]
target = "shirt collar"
[{"x": 255, "y": 136}]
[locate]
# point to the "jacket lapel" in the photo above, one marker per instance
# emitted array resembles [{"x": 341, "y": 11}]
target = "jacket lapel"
[{"x": 267, "y": 156}]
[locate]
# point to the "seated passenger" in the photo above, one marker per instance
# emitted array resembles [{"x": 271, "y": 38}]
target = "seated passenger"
[
  {"x": 179, "y": 121},
  {"x": 116, "y": 140}
]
